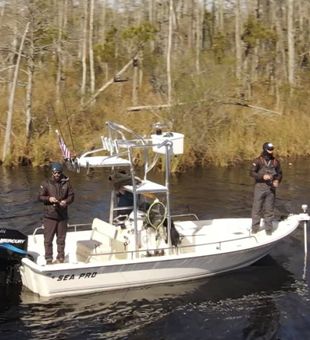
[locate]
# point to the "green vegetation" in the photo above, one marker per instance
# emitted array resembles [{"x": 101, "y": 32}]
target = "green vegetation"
[
  {"x": 225, "y": 120},
  {"x": 217, "y": 131}
]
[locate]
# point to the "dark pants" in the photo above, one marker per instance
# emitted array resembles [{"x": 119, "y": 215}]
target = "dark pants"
[
  {"x": 263, "y": 205},
  {"x": 52, "y": 228},
  {"x": 125, "y": 199}
]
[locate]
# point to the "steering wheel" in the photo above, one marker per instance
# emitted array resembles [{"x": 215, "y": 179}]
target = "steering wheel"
[{"x": 156, "y": 214}]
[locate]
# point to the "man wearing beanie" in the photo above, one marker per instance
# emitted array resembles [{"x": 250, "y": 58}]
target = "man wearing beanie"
[
  {"x": 56, "y": 193},
  {"x": 267, "y": 172}
]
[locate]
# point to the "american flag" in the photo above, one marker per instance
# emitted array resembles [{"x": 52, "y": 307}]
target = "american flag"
[{"x": 63, "y": 147}]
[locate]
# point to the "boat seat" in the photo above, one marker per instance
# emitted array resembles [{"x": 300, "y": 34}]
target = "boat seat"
[
  {"x": 147, "y": 186},
  {"x": 104, "y": 228},
  {"x": 102, "y": 161},
  {"x": 102, "y": 240}
]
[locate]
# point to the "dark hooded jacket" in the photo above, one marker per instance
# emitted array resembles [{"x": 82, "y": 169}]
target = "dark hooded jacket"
[
  {"x": 62, "y": 190},
  {"x": 266, "y": 164}
]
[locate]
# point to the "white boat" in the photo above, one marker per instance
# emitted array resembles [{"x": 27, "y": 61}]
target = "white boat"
[{"x": 143, "y": 249}]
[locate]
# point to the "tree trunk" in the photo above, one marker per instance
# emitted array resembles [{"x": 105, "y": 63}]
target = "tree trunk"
[
  {"x": 91, "y": 51},
  {"x": 135, "y": 82},
  {"x": 198, "y": 36},
  {"x": 151, "y": 20},
  {"x": 102, "y": 36},
  {"x": 279, "y": 70},
  {"x": 2, "y": 10},
  {"x": 220, "y": 16},
  {"x": 291, "y": 42},
  {"x": 191, "y": 27},
  {"x": 30, "y": 66},
  {"x": 238, "y": 41},
  {"x": 103, "y": 14},
  {"x": 140, "y": 69},
  {"x": 59, "y": 53},
  {"x": 8, "y": 128},
  {"x": 84, "y": 52},
  {"x": 169, "y": 53}
]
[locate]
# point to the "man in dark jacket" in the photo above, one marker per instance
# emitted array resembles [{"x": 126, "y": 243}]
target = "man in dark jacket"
[
  {"x": 56, "y": 193},
  {"x": 267, "y": 172}
]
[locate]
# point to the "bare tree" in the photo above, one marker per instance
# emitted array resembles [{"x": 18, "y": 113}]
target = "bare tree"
[
  {"x": 29, "y": 89},
  {"x": 8, "y": 129},
  {"x": 151, "y": 10},
  {"x": 279, "y": 70},
  {"x": 102, "y": 16},
  {"x": 84, "y": 53},
  {"x": 59, "y": 52},
  {"x": 135, "y": 81},
  {"x": 169, "y": 83},
  {"x": 198, "y": 35},
  {"x": 90, "y": 47},
  {"x": 238, "y": 40},
  {"x": 291, "y": 42},
  {"x": 220, "y": 15}
]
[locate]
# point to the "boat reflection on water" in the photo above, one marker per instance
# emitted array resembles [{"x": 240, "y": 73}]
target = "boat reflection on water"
[{"x": 248, "y": 298}]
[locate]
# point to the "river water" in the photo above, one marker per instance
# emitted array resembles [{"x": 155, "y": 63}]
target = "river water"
[{"x": 268, "y": 300}]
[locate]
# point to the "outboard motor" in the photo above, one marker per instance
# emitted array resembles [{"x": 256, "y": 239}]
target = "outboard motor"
[{"x": 13, "y": 247}]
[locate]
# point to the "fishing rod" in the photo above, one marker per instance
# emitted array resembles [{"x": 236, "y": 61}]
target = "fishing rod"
[
  {"x": 59, "y": 130},
  {"x": 68, "y": 122},
  {"x": 57, "y": 121}
]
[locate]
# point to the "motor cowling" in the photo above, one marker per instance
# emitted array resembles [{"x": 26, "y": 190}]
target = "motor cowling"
[{"x": 13, "y": 247}]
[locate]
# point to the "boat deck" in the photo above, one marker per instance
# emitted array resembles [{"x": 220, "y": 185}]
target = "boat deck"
[{"x": 105, "y": 242}]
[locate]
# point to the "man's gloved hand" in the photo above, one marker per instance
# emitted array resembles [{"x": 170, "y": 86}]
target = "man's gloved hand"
[
  {"x": 275, "y": 183},
  {"x": 53, "y": 200},
  {"x": 63, "y": 203},
  {"x": 267, "y": 177}
]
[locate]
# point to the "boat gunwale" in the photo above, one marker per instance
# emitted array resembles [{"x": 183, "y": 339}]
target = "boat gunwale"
[{"x": 164, "y": 258}]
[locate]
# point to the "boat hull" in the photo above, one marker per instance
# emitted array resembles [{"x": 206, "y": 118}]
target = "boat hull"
[
  {"x": 66, "y": 280},
  {"x": 210, "y": 247}
]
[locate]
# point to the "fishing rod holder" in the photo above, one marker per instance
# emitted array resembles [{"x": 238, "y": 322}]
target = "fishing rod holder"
[{"x": 304, "y": 217}]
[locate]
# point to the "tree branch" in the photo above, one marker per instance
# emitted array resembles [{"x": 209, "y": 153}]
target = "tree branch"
[
  {"x": 165, "y": 106},
  {"x": 254, "y": 107},
  {"x": 148, "y": 107},
  {"x": 108, "y": 83}
]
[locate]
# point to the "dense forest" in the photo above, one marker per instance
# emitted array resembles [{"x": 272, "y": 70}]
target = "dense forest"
[{"x": 229, "y": 74}]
